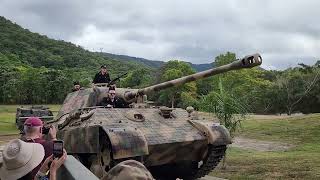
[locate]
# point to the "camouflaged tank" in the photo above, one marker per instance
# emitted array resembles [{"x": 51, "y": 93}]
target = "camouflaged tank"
[
  {"x": 23, "y": 113},
  {"x": 169, "y": 142}
]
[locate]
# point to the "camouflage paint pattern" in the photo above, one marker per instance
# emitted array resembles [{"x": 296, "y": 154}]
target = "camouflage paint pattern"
[
  {"x": 78, "y": 99},
  {"x": 128, "y": 170},
  {"x": 127, "y": 142},
  {"x": 215, "y": 133},
  {"x": 129, "y": 138},
  {"x": 142, "y": 131},
  {"x": 80, "y": 140}
]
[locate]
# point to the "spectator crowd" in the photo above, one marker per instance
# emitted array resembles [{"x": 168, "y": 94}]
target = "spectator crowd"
[{"x": 31, "y": 158}]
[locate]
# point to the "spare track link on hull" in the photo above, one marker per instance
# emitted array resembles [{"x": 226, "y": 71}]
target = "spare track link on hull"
[{"x": 216, "y": 153}]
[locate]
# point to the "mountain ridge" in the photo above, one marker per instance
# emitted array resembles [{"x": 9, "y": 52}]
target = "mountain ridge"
[{"x": 154, "y": 63}]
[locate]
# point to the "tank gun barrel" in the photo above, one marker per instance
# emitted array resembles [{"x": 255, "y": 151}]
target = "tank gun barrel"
[{"x": 246, "y": 62}]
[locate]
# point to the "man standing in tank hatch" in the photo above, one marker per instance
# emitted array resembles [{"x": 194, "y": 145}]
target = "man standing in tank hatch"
[
  {"x": 76, "y": 86},
  {"x": 102, "y": 76},
  {"x": 112, "y": 100}
]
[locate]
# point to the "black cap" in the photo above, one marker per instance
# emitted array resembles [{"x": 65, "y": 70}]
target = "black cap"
[
  {"x": 112, "y": 88},
  {"x": 76, "y": 83},
  {"x": 104, "y": 67}
]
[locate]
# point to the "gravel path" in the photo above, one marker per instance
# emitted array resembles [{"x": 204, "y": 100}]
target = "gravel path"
[{"x": 211, "y": 178}]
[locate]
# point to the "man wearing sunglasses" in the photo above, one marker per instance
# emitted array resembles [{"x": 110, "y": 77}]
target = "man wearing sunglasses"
[{"x": 112, "y": 100}]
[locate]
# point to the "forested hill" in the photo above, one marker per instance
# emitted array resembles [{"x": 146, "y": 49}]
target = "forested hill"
[
  {"x": 153, "y": 63},
  {"x": 19, "y": 46},
  {"x": 36, "y": 69}
]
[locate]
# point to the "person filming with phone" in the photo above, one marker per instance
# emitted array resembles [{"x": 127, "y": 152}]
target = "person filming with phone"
[
  {"x": 20, "y": 159},
  {"x": 50, "y": 166},
  {"x": 34, "y": 132}
]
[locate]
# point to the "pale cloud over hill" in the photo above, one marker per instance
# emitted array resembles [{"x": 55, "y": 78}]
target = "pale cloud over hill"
[{"x": 284, "y": 32}]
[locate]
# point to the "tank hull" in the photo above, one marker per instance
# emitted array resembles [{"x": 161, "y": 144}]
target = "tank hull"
[
  {"x": 164, "y": 139},
  {"x": 155, "y": 140}
]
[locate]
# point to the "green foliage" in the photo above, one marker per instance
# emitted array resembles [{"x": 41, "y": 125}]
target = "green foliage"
[
  {"x": 137, "y": 78},
  {"x": 228, "y": 108},
  {"x": 247, "y": 85},
  {"x": 296, "y": 89},
  {"x": 292, "y": 90},
  {"x": 223, "y": 59},
  {"x": 205, "y": 86},
  {"x": 172, "y": 96},
  {"x": 188, "y": 98}
]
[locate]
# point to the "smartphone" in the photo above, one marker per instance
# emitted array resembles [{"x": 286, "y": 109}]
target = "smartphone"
[
  {"x": 57, "y": 148},
  {"x": 45, "y": 130}
]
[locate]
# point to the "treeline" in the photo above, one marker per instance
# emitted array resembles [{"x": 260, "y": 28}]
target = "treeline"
[
  {"x": 260, "y": 91},
  {"x": 21, "y": 84},
  {"x": 257, "y": 90}
]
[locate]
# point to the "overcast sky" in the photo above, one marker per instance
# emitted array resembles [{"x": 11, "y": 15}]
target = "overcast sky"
[{"x": 285, "y": 32}]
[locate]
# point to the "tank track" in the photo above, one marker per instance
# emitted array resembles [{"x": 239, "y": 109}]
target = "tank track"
[{"x": 216, "y": 153}]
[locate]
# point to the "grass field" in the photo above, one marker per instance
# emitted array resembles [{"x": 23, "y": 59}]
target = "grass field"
[
  {"x": 7, "y": 118},
  {"x": 300, "y": 162}
]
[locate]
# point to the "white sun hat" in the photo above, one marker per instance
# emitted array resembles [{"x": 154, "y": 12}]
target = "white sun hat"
[{"x": 19, "y": 158}]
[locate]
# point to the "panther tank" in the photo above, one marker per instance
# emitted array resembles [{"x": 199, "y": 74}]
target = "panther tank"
[{"x": 170, "y": 142}]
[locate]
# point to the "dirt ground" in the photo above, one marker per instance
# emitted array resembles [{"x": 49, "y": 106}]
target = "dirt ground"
[
  {"x": 6, "y": 138},
  {"x": 211, "y": 116},
  {"x": 252, "y": 144},
  {"x": 267, "y": 117}
]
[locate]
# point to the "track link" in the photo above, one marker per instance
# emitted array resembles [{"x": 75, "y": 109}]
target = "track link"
[{"x": 216, "y": 153}]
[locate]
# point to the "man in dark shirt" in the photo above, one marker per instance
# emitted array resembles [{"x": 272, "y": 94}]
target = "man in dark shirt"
[
  {"x": 102, "y": 76},
  {"x": 33, "y": 133},
  {"x": 112, "y": 100},
  {"x": 76, "y": 86}
]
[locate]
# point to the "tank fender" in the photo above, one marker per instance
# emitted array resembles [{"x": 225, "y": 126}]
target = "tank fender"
[
  {"x": 215, "y": 133},
  {"x": 80, "y": 140},
  {"x": 126, "y": 142}
]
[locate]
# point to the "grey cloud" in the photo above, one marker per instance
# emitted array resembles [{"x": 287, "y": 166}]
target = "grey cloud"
[
  {"x": 197, "y": 31},
  {"x": 137, "y": 36}
]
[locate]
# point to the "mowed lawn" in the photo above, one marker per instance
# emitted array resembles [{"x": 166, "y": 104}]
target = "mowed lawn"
[
  {"x": 8, "y": 115},
  {"x": 300, "y": 162}
]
